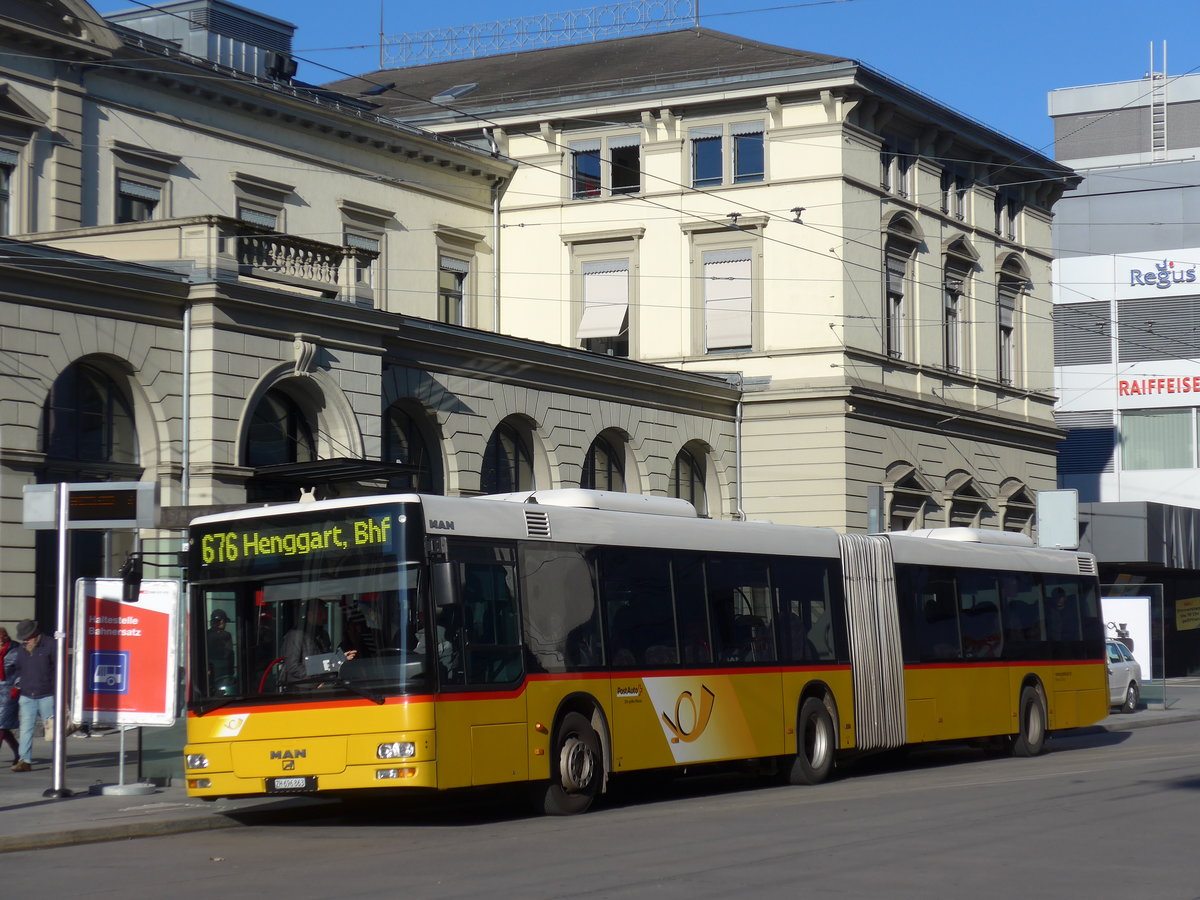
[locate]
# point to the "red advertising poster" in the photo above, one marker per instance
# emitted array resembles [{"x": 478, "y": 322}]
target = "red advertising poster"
[{"x": 124, "y": 653}]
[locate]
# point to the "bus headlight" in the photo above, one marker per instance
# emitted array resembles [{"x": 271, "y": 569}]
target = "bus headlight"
[
  {"x": 396, "y": 750},
  {"x": 197, "y": 761}
]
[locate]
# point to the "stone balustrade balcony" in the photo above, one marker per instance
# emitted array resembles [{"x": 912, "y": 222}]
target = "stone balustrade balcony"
[{"x": 224, "y": 248}]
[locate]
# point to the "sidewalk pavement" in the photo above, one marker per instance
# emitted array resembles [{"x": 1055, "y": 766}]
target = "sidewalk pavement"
[{"x": 29, "y": 821}]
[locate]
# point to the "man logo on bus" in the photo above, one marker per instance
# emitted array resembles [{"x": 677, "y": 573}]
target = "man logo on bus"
[{"x": 697, "y": 722}]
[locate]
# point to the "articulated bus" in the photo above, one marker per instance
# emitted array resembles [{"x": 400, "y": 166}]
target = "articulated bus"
[{"x": 564, "y": 638}]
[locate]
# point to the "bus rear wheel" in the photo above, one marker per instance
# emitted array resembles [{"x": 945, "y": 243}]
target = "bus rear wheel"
[
  {"x": 576, "y": 768},
  {"x": 1031, "y": 739},
  {"x": 814, "y": 744}
]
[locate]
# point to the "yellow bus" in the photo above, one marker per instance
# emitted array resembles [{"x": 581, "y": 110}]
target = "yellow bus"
[{"x": 564, "y": 638}]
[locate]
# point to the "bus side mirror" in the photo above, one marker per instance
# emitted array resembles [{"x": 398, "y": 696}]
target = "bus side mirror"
[{"x": 447, "y": 584}]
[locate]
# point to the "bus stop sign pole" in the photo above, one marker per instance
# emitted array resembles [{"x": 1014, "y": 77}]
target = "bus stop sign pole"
[{"x": 60, "y": 652}]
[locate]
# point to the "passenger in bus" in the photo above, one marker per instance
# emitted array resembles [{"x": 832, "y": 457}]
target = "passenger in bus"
[{"x": 308, "y": 638}]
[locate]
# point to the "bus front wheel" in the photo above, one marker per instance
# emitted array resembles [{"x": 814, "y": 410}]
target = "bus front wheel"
[
  {"x": 814, "y": 744},
  {"x": 1031, "y": 739},
  {"x": 576, "y": 768}
]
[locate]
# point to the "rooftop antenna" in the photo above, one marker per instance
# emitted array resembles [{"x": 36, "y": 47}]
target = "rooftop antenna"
[{"x": 381, "y": 34}]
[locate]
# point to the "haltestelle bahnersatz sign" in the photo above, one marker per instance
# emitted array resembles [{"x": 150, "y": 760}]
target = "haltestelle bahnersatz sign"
[{"x": 124, "y": 655}]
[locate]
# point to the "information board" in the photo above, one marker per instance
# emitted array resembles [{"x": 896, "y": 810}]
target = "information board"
[{"x": 125, "y": 661}]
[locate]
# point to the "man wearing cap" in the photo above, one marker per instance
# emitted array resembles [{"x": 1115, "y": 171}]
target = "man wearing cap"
[
  {"x": 34, "y": 671},
  {"x": 220, "y": 652}
]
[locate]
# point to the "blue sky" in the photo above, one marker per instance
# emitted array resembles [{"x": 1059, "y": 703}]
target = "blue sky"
[{"x": 994, "y": 61}]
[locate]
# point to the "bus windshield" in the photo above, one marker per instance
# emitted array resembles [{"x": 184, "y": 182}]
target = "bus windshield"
[{"x": 344, "y": 617}]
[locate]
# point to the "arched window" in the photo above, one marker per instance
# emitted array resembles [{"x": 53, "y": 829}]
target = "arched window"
[
  {"x": 965, "y": 504},
  {"x": 688, "y": 480},
  {"x": 88, "y": 419},
  {"x": 507, "y": 462},
  {"x": 907, "y": 498},
  {"x": 279, "y": 433},
  {"x": 404, "y": 442},
  {"x": 1017, "y": 507},
  {"x": 88, "y": 434},
  {"x": 603, "y": 467}
]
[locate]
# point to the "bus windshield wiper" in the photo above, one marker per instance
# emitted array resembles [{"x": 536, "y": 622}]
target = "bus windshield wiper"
[
  {"x": 205, "y": 709},
  {"x": 362, "y": 692}
]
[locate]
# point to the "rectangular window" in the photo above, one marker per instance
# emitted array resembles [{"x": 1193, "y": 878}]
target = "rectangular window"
[
  {"x": 452, "y": 276},
  {"x": 897, "y": 271},
  {"x": 1005, "y": 354},
  {"x": 904, "y": 164},
  {"x": 364, "y": 264},
  {"x": 748, "y": 152},
  {"x": 728, "y": 289},
  {"x": 947, "y": 190},
  {"x": 585, "y": 169},
  {"x": 951, "y": 325},
  {"x": 258, "y": 217},
  {"x": 1157, "y": 439},
  {"x": 136, "y": 201},
  {"x": 707, "y": 156},
  {"x": 886, "y": 158},
  {"x": 960, "y": 197},
  {"x": 8, "y": 165},
  {"x": 625, "y": 160},
  {"x": 604, "y": 325}
]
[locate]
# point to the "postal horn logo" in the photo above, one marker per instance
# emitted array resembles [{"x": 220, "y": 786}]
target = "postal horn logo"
[{"x": 691, "y": 724}]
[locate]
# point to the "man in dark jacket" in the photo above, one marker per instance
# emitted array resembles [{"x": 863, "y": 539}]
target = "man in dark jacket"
[{"x": 33, "y": 670}]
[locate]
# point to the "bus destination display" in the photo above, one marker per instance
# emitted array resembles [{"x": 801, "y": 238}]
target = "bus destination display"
[{"x": 266, "y": 545}]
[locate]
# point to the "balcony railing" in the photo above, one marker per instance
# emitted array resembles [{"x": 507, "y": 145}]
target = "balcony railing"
[{"x": 220, "y": 248}]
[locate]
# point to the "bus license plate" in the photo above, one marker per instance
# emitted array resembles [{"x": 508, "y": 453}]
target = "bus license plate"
[{"x": 291, "y": 785}]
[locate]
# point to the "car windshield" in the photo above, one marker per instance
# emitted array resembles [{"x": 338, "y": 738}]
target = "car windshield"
[{"x": 360, "y": 633}]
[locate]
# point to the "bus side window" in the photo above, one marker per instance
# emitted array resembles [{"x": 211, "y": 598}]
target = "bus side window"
[
  {"x": 562, "y": 617},
  {"x": 739, "y": 597},
  {"x": 982, "y": 636},
  {"x": 636, "y": 585},
  {"x": 806, "y": 615}
]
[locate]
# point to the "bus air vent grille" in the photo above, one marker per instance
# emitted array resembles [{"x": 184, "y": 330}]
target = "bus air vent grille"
[
  {"x": 537, "y": 523},
  {"x": 1087, "y": 565}
]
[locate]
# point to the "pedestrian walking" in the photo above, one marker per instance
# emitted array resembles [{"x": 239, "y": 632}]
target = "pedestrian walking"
[
  {"x": 33, "y": 671},
  {"x": 8, "y": 694}
]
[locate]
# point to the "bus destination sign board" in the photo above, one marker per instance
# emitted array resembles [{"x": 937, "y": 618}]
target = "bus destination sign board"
[{"x": 270, "y": 544}]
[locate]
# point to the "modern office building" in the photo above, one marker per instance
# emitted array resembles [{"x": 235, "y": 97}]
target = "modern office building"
[{"x": 1127, "y": 337}]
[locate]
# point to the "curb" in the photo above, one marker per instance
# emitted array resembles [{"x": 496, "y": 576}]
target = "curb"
[{"x": 101, "y": 833}]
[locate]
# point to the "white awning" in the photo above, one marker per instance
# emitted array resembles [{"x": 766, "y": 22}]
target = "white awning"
[{"x": 605, "y": 298}]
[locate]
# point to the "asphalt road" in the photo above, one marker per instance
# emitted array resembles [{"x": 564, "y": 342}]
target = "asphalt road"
[{"x": 1103, "y": 815}]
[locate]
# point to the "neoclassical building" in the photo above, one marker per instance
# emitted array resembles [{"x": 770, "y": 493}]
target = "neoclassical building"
[
  {"x": 231, "y": 284},
  {"x": 871, "y": 267}
]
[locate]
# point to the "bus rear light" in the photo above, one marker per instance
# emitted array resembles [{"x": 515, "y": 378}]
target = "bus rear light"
[
  {"x": 396, "y": 750},
  {"x": 387, "y": 774},
  {"x": 197, "y": 761}
]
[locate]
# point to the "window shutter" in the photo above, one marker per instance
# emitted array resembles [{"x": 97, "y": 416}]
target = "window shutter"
[{"x": 727, "y": 299}]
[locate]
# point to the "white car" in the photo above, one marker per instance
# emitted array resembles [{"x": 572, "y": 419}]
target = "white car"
[{"x": 1124, "y": 677}]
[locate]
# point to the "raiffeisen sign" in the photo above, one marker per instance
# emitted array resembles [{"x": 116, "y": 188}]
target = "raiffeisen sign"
[{"x": 1168, "y": 382}]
